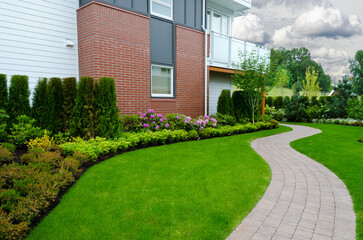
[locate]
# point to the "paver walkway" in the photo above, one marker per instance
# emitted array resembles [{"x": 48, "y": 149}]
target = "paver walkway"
[{"x": 304, "y": 200}]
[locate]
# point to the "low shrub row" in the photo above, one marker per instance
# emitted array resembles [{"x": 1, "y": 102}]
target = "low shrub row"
[{"x": 341, "y": 121}]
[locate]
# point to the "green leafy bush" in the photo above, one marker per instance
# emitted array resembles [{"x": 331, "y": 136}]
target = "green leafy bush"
[
  {"x": 5, "y": 154},
  {"x": 18, "y": 97},
  {"x": 108, "y": 112},
  {"x": 355, "y": 108},
  {"x": 23, "y": 130},
  {"x": 224, "y": 119},
  {"x": 225, "y": 103},
  {"x": 84, "y": 114},
  {"x": 130, "y": 123},
  {"x": 269, "y": 100},
  {"x": 9, "y": 146},
  {"x": 3, "y": 126},
  {"x": 314, "y": 101},
  {"x": 3, "y": 92},
  {"x": 278, "y": 102},
  {"x": 277, "y": 114},
  {"x": 314, "y": 112},
  {"x": 69, "y": 98},
  {"x": 55, "y": 105},
  {"x": 40, "y": 109},
  {"x": 324, "y": 100},
  {"x": 287, "y": 100},
  {"x": 295, "y": 110}
]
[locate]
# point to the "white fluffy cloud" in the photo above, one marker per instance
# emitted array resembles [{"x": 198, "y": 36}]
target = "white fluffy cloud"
[
  {"x": 327, "y": 22},
  {"x": 249, "y": 28}
]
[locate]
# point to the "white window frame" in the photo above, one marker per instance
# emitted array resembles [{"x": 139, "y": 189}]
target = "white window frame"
[
  {"x": 228, "y": 17},
  {"x": 169, "y": 5},
  {"x": 171, "y": 79}
]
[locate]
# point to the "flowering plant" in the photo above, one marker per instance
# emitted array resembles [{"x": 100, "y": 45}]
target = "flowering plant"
[{"x": 153, "y": 122}]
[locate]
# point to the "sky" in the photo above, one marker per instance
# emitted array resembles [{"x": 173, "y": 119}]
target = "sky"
[{"x": 331, "y": 29}]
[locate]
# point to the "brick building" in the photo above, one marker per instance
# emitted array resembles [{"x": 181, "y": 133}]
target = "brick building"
[{"x": 167, "y": 55}]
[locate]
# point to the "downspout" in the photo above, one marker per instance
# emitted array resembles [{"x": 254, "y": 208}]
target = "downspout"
[{"x": 206, "y": 58}]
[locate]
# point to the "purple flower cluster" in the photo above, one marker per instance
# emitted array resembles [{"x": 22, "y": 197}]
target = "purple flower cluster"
[{"x": 152, "y": 121}]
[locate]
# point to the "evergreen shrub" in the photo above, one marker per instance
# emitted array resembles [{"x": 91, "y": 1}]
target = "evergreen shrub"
[
  {"x": 269, "y": 101},
  {"x": 287, "y": 100},
  {"x": 18, "y": 97},
  {"x": 241, "y": 109},
  {"x": 314, "y": 101},
  {"x": 3, "y": 92},
  {"x": 69, "y": 98},
  {"x": 40, "y": 107},
  {"x": 55, "y": 105},
  {"x": 84, "y": 114},
  {"x": 225, "y": 103},
  {"x": 108, "y": 113}
]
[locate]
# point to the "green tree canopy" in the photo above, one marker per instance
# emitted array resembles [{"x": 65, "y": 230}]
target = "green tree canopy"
[{"x": 356, "y": 68}]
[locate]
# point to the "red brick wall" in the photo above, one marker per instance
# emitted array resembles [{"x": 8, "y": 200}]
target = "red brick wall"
[
  {"x": 116, "y": 43},
  {"x": 189, "y": 71}
]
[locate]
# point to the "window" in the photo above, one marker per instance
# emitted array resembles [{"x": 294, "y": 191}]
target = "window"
[
  {"x": 162, "y": 81},
  {"x": 218, "y": 23},
  {"x": 162, "y": 8}
]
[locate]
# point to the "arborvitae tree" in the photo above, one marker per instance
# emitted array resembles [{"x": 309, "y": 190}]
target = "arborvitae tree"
[
  {"x": 108, "y": 112},
  {"x": 84, "y": 114},
  {"x": 55, "y": 104},
  {"x": 225, "y": 104},
  {"x": 40, "y": 108},
  {"x": 278, "y": 102},
  {"x": 241, "y": 109},
  {"x": 3, "y": 92},
  {"x": 69, "y": 98},
  {"x": 18, "y": 97},
  {"x": 269, "y": 101}
]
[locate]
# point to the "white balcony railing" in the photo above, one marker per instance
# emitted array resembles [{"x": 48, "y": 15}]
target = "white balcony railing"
[{"x": 224, "y": 50}]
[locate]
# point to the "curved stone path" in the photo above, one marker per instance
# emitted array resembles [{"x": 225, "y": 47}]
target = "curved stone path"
[{"x": 304, "y": 200}]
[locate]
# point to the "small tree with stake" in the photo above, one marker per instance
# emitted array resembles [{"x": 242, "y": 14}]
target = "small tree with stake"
[{"x": 251, "y": 76}]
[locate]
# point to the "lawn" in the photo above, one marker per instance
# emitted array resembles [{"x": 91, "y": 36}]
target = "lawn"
[
  {"x": 337, "y": 148},
  {"x": 190, "y": 190}
]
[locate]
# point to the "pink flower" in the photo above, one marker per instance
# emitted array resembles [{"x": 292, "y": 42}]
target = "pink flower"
[
  {"x": 201, "y": 128},
  {"x": 141, "y": 117},
  {"x": 214, "y": 124},
  {"x": 144, "y": 114},
  {"x": 146, "y": 125},
  {"x": 157, "y": 127},
  {"x": 146, "y": 118},
  {"x": 178, "y": 117},
  {"x": 139, "y": 113},
  {"x": 161, "y": 120},
  {"x": 150, "y": 111},
  {"x": 167, "y": 125},
  {"x": 152, "y": 116},
  {"x": 153, "y": 122},
  {"x": 165, "y": 119}
]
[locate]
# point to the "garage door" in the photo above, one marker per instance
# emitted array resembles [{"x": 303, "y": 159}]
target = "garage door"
[{"x": 217, "y": 82}]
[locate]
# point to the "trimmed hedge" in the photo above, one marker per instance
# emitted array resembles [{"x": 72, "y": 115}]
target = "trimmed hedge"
[
  {"x": 18, "y": 97},
  {"x": 3, "y": 92},
  {"x": 225, "y": 103},
  {"x": 278, "y": 102},
  {"x": 241, "y": 109},
  {"x": 108, "y": 113},
  {"x": 69, "y": 98},
  {"x": 269, "y": 101},
  {"x": 55, "y": 104}
]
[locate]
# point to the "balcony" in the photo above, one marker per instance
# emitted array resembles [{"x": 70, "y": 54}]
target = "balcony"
[
  {"x": 224, "y": 50},
  {"x": 236, "y": 6}
]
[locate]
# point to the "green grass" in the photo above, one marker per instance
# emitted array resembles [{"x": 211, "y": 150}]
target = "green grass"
[
  {"x": 191, "y": 190},
  {"x": 337, "y": 148}
]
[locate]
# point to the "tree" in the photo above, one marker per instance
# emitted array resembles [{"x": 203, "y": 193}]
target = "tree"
[
  {"x": 225, "y": 103},
  {"x": 3, "y": 92},
  {"x": 282, "y": 77},
  {"x": 310, "y": 85},
  {"x": 251, "y": 76},
  {"x": 108, "y": 112},
  {"x": 40, "y": 107},
  {"x": 343, "y": 92},
  {"x": 18, "y": 97},
  {"x": 356, "y": 68},
  {"x": 69, "y": 97}
]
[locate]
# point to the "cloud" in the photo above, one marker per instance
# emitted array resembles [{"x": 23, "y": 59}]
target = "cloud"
[
  {"x": 249, "y": 28},
  {"x": 327, "y": 22},
  {"x": 292, "y": 4}
]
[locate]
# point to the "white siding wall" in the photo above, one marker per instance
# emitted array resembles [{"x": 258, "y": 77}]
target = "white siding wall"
[
  {"x": 217, "y": 82},
  {"x": 33, "y": 36}
]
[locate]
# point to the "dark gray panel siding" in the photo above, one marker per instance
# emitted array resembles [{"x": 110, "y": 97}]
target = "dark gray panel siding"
[
  {"x": 179, "y": 11},
  {"x": 139, "y": 6},
  {"x": 162, "y": 41},
  {"x": 190, "y": 13}
]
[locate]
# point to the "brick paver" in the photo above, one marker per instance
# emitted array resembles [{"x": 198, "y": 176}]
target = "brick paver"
[{"x": 304, "y": 200}]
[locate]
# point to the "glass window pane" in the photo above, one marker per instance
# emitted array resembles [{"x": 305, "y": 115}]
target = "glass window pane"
[
  {"x": 161, "y": 80},
  {"x": 224, "y": 26},
  {"x": 160, "y": 9},
  {"x": 208, "y": 21},
  {"x": 216, "y": 22}
]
